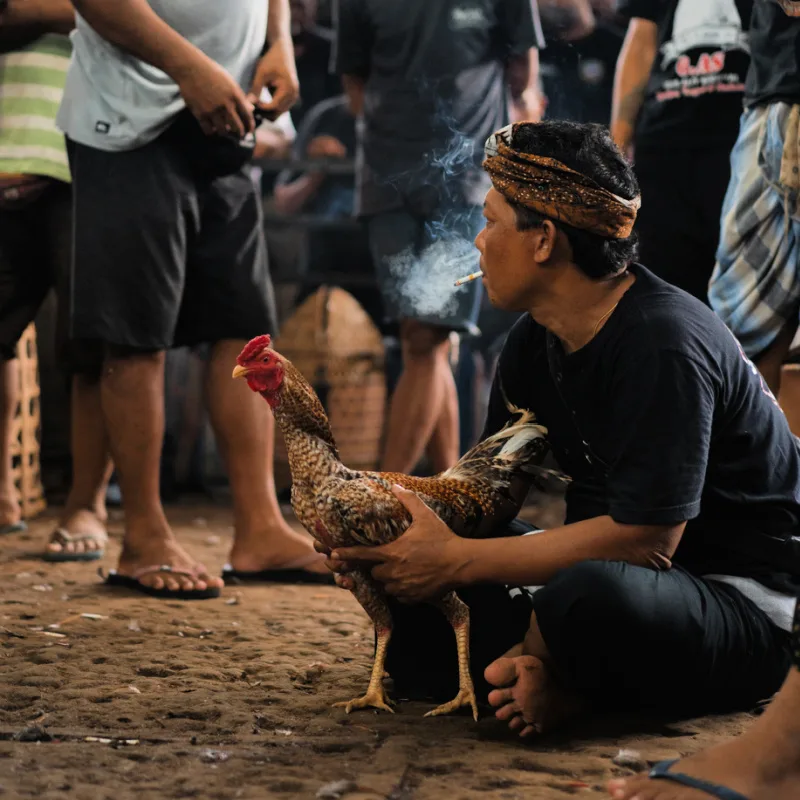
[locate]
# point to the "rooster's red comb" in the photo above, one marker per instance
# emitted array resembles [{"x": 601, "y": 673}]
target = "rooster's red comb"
[{"x": 253, "y": 347}]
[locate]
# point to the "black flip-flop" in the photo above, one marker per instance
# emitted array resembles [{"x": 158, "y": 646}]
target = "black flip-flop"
[
  {"x": 63, "y": 537},
  {"x": 13, "y": 527},
  {"x": 661, "y": 771},
  {"x": 132, "y": 582},
  {"x": 296, "y": 576}
]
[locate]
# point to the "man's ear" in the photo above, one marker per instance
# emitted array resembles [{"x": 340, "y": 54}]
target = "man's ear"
[{"x": 544, "y": 242}]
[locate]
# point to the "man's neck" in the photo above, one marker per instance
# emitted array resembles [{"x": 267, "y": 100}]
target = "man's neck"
[{"x": 575, "y": 308}]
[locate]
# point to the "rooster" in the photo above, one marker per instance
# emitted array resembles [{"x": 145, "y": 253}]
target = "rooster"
[{"x": 341, "y": 507}]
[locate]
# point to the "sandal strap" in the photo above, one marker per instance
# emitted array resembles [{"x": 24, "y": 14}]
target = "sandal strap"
[
  {"x": 663, "y": 771},
  {"x": 187, "y": 573}
]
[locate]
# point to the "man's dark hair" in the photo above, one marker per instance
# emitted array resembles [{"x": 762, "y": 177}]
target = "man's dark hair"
[{"x": 589, "y": 149}]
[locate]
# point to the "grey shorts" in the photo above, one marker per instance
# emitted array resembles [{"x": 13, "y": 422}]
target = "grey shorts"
[
  {"x": 162, "y": 257},
  {"x": 417, "y": 259}
]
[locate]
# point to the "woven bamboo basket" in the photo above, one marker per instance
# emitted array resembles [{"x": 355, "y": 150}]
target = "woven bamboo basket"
[
  {"x": 338, "y": 349},
  {"x": 25, "y": 432}
]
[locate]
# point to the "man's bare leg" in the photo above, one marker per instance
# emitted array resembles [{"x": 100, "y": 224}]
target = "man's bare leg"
[
  {"x": 10, "y": 512},
  {"x": 527, "y": 697},
  {"x": 771, "y": 361},
  {"x": 443, "y": 447},
  {"x": 132, "y": 396},
  {"x": 84, "y": 515},
  {"x": 762, "y": 764},
  {"x": 245, "y": 427},
  {"x": 419, "y": 399}
]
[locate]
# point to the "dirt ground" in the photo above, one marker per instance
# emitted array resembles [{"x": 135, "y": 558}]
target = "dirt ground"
[{"x": 231, "y": 698}]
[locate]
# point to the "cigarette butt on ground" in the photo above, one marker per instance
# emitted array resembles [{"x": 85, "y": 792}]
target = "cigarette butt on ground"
[{"x": 467, "y": 278}]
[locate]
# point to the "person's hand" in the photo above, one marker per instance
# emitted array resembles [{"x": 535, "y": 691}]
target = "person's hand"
[
  {"x": 276, "y": 72},
  {"x": 216, "y": 100},
  {"x": 422, "y": 564},
  {"x": 326, "y": 147}
]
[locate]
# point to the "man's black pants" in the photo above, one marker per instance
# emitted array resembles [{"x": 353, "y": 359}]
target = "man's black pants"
[
  {"x": 679, "y": 221},
  {"x": 623, "y": 637}
]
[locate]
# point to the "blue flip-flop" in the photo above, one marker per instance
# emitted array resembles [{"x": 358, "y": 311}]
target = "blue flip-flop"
[{"x": 662, "y": 771}]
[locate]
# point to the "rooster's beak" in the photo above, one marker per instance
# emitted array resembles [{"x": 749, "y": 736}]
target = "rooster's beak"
[{"x": 239, "y": 371}]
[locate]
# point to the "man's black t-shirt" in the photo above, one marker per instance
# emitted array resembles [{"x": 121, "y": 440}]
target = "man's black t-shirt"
[
  {"x": 694, "y": 96},
  {"x": 775, "y": 47},
  {"x": 435, "y": 91},
  {"x": 661, "y": 419}
]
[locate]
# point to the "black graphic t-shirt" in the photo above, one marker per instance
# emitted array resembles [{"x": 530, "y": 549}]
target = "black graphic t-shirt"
[
  {"x": 775, "y": 40},
  {"x": 696, "y": 88}
]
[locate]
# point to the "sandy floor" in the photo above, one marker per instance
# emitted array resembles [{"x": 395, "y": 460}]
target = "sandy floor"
[{"x": 231, "y": 698}]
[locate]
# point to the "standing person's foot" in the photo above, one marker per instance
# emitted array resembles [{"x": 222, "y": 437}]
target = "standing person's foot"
[
  {"x": 80, "y": 536},
  {"x": 743, "y": 769},
  {"x": 276, "y": 555},
  {"x": 155, "y": 564},
  {"x": 10, "y": 511},
  {"x": 527, "y": 697}
]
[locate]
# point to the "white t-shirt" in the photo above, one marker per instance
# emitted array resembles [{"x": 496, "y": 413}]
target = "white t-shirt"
[{"x": 114, "y": 101}]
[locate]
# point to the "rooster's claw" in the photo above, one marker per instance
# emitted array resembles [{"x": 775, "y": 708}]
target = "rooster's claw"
[
  {"x": 465, "y": 697},
  {"x": 369, "y": 700}
]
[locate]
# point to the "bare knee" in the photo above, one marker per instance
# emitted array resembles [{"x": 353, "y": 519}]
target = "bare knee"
[{"x": 422, "y": 340}]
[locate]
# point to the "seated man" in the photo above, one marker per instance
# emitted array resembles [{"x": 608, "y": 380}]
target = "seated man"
[{"x": 672, "y": 584}]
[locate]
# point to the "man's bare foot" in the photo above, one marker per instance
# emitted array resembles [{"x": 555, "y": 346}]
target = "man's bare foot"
[
  {"x": 527, "y": 697},
  {"x": 741, "y": 765},
  {"x": 10, "y": 511},
  {"x": 279, "y": 547},
  {"x": 79, "y": 531},
  {"x": 158, "y": 548}
]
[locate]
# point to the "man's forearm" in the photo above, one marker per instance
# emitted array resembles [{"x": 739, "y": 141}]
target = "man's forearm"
[
  {"x": 279, "y": 22},
  {"x": 134, "y": 27},
  {"x": 522, "y": 74},
  {"x": 534, "y": 560},
  {"x": 24, "y": 21},
  {"x": 291, "y": 198},
  {"x": 354, "y": 89},
  {"x": 631, "y": 78}
]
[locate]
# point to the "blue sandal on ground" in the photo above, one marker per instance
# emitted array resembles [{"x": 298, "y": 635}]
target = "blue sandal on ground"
[{"x": 661, "y": 771}]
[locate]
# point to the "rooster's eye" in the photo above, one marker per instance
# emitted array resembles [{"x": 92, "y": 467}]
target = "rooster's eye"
[{"x": 265, "y": 359}]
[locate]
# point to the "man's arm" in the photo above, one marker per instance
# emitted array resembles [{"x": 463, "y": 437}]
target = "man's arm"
[
  {"x": 24, "y": 21},
  {"x": 630, "y": 80},
  {"x": 276, "y": 70},
  {"x": 522, "y": 78},
  {"x": 209, "y": 91},
  {"x": 353, "y": 50},
  {"x": 534, "y": 560},
  {"x": 570, "y": 19},
  {"x": 429, "y": 559}
]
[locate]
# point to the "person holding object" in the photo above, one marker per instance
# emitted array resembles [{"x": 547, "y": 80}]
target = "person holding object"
[
  {"x": 672, "y": 584},
  {"x": 169, "y": 250}
]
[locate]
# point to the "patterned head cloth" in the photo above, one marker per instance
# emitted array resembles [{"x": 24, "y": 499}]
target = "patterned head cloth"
[{"x": 554, "y": 190}]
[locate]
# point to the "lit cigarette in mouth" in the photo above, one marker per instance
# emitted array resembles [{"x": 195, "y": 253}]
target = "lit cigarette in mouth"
[{"x": 467, "y": 278}]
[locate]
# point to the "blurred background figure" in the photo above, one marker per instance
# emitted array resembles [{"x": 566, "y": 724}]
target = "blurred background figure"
[
  {"x": 432, "y": 82},
  {"x": 35, "y": 249},
  {"x": 677, "y": 100}
]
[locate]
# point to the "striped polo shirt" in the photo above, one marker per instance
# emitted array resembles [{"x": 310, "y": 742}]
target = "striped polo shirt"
[{"x": 31, "y": 86}]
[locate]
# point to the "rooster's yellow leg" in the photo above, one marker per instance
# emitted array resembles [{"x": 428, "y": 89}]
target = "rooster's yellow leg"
[
  {"x": 457, "y": 614},
  {"x": 376, "y": 695}
]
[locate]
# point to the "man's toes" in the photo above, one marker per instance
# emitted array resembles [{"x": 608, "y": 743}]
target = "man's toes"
[
  {"x": 516, "y": 722},
  {"x": 187, "y": 584},
  {"x": 508, "y": 711},
  {"x": 501, "y": 672},
  {"x": 499, "y": 697}
]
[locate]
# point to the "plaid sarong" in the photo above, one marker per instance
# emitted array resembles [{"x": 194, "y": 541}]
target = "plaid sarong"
[{"x": 755, "y": 286}]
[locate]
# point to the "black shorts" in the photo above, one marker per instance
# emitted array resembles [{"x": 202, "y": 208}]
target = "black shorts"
[
  {"x": 35, "y": 250},
  {"x": 163, "y": 257},
  {"x": 623, "y": 637}
]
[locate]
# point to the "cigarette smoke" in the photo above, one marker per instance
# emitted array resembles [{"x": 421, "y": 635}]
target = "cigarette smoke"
[{"x": 424, "y": 278}]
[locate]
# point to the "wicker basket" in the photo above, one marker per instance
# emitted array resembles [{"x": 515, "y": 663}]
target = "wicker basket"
[
  {"x": 336, "y": 346},
  {"x": 25, "y": 432}
]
